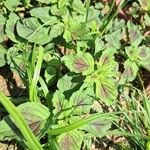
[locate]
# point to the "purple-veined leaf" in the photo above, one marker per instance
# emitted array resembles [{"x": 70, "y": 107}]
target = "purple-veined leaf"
[{"x": 80, "y": 63}]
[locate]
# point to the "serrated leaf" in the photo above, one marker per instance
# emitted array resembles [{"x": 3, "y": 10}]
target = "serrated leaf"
[
  {"x": 2, "y": 55},
  {"x": 82, "y": 100},
  {"x": 130, "y": 71},
  {"x": 30, "y": 30},
  {"x": 134, "y": 34},
  {"x": 80, "y": 63},
  {"x": 10, "y": 27},
  {"x": 71, "y": 140},
  {"x": 11, "y": 6},
  {"x": 2, "y": 23},
  {"x": 69, "y": 84},
  {"x": 34, "y": 113}
]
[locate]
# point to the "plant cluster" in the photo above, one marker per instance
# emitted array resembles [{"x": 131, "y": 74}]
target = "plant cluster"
[{"x": 76, "y": 59}]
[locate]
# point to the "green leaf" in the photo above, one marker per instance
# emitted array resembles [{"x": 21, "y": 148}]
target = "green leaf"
[
  {"x": 70, "y": 140},
  {"x": 99, "y": 127},
  {"x": 106, "y": 90},
  {"x": 61, "y": 105},
  {"x": 78, "y": 28},
  {"x": 134, "y": 34},
  {"x": 67, "y": 35},
  {"x": 14, "y": 58},
  {"x": 99, "y": 46},
  {"x": 45, "y": 1},
  {"x": 145, "y": 4},
  {"x": 82, "y": 100},
  {"x": 2, "y": 55},
  {"x": 107, "y": 66},
  {"x": 78, "y": 6},
  {"x": 26, "y": 2},
  {"x": 147, "y": 19},
  {"x": 143, "y": 53},
  {"x": 130, "y": 71},
  {"x": 62, "y": 3},
  {"x": 69, "y": 84},
  {"x": 43, "y": 13},
  {"x": 57, "y": 30},
  {"x": 10, "y": 27},
  {"x": 81, "y": 62},
  {"x": 32, "y": 30},
  {"x": 11, "y": 6},
  {"x": 144, "y": 57},
  {"x": 2, "y": 23},
  {"x": 34, "y": 113},
  {"x": 113, "y": 40}
]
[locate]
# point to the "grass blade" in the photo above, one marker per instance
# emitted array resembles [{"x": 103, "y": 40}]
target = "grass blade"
[
  {"x": 33, "y": 87},
  {"x": 20, "y": 122}
]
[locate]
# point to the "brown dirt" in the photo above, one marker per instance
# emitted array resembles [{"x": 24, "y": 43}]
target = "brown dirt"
[{"x": 10, "y": 83}]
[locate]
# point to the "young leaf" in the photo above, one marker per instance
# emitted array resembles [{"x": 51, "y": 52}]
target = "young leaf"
[
  {"x": 10, "y": 27},
  {"x": 70, "y": 140},
  {"x": 81, "y": 62},
  {"x": 34, "y": 113},
  {"x": 32, "y": 30}
]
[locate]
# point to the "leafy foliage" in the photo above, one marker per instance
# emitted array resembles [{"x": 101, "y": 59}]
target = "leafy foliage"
[{"x": 75, "y": 59}]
